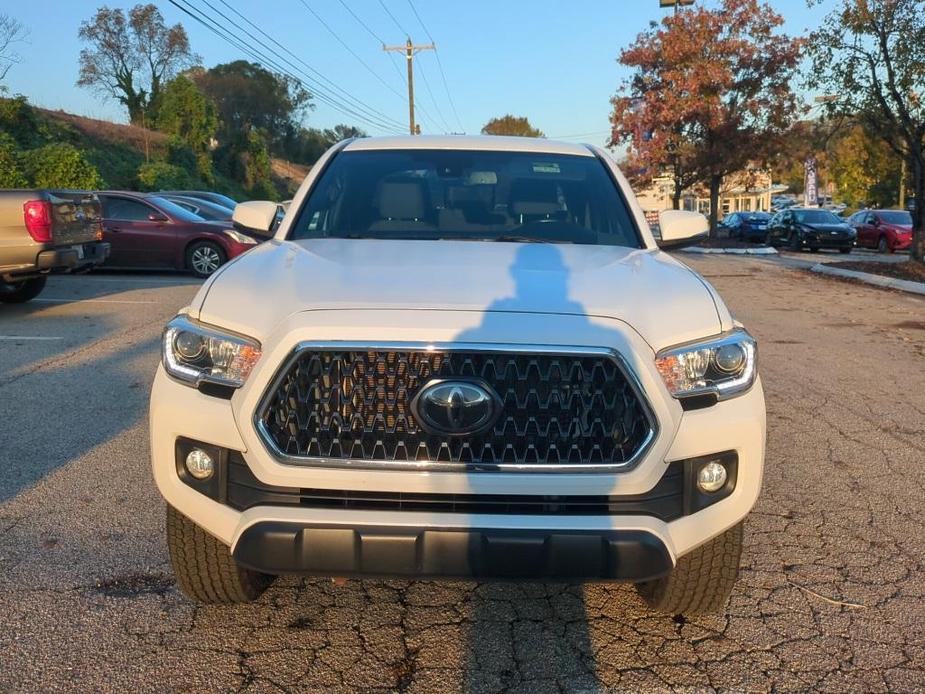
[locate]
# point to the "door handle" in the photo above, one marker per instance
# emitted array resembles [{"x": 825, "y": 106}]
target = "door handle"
[{"x": 113, "y": 228}]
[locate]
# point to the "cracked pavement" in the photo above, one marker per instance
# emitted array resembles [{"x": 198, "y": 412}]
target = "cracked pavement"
[{"x": 831, "y": 596}]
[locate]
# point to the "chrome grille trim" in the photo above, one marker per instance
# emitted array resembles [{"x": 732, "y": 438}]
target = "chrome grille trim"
[{"x": 443, "y": 466}]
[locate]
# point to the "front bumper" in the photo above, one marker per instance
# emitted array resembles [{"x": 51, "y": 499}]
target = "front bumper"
[
  {"x": 178, "y": 411},
  {"x": 279, "y": 547}
]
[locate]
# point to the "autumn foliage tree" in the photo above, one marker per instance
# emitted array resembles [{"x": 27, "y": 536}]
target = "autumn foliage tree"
[
  {"x": 511, "y": 125},
  {"x": 130, "y": 57},
  {"x": 870, "y": 54},
  {"x": 710, "y": 93}
]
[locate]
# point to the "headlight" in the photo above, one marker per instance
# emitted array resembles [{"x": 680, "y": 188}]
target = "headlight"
[
  {"x": 196, "y": 353},
  {"x": 241, "y": 238},
  {"x": 725, "y": 366}
]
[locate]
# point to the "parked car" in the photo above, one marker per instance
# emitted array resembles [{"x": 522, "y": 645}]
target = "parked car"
[
  {"x": 45, "y": 231},
  {"x": 809, "y": 227},
  {"x": 149, "y": 231},
  {"x": 747, "y": 226},
  {"x": 216, "y": 198},
  {"x": 464, "y": 357},
  {"x": 886, "y": 230},
  {"x": 209, "y": 211}
]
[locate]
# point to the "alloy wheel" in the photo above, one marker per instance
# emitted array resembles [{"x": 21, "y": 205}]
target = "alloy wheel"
[{"x": 205, "y": 260}]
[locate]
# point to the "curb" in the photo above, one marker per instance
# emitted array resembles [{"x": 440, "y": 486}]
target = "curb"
[
  {"x": 868, "y": 278},
  {"x": 731, "y": 251}
]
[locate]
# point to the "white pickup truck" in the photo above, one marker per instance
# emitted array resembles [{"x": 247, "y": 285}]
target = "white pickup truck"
[{"x": 460, "y": 357}]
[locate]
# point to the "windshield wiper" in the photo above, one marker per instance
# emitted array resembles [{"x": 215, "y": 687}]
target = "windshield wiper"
[{"x": 518, "y": 238}]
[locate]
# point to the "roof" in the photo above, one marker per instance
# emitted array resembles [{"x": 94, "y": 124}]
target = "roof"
[{"x": 470, "y": 142}]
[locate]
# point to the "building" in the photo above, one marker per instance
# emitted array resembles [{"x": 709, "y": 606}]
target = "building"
[{"x": 747, "y": 191}]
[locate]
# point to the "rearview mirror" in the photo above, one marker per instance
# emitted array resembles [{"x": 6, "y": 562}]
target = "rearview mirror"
[
  {"x": 157, "y": 217},
  {"x": 256, "y": 216},
  {"x": 680, "y": 228}
]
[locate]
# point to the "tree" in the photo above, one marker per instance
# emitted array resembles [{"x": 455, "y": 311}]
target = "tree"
[
  {"x": 710, "y": 93},
  {"x": 186, "y": 114},
  {"x": 249, "y": 97},
  {"x": 864, "y": 169},
  {"x": 11, "y": 173},
  {"x": 129, "y": 58},
  {"x": 871, "y": 55},
  {"x": 511, "y": 125},
  {"x": 306, "y": 145},
  {"x": 11, "y": 33}
]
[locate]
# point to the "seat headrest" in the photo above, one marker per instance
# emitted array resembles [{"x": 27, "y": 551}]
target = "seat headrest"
[{"x": 401, "y": 200}]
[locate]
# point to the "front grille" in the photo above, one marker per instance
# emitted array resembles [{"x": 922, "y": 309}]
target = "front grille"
[
  {"x": 664, "y": 501},
  {"x": 329, "y": 405}
]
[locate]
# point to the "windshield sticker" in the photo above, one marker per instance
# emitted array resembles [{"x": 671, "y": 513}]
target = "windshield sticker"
[{"x": 544, "y": 167}]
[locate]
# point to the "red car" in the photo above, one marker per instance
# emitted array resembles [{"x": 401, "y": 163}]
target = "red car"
[
  {"x": 885, "y": 230},
  {"x": 148, "y": 231}
]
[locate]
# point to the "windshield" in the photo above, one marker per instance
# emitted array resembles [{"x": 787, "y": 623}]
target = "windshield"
[
  {"x": 469, "y": 195},
  {"x": 816, "y": 217},
  {"x": 175, "y": 210},
  {"x": 758, "y": 216},
  {"x": 897, "y": 217}
]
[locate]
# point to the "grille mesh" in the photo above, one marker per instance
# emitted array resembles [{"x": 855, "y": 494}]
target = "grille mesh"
[{"x": 557, "y": 409}]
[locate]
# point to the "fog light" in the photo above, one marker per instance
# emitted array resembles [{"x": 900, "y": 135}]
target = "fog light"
[
  {"x": 200, "y": 465},
  {"x": 711, "y": 477}
]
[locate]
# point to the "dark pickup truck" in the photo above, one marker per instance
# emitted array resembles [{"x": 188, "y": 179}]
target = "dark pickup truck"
[{"x": 44, "y": 231}]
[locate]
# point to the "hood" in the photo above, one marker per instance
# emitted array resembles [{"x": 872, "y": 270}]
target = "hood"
[
  {"x": 663, "y": 300},
  {"x": 827, "y": 227}
]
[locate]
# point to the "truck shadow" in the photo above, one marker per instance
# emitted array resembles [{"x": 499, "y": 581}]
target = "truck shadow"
[{"x": 532, "y": 634}]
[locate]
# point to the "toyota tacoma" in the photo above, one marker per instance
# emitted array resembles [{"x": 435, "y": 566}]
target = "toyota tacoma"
[{"x": 460, "y": 357}]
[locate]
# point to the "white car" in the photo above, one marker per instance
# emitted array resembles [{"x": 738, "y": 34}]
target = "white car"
[{"x": 460, "y": 357}]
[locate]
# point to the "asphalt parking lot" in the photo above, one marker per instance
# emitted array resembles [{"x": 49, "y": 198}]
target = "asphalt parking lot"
[{"x": 831, "y": 597}]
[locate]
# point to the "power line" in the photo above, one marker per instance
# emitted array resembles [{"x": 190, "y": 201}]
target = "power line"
[
  {"x": 446, "y": 85},
  {"x": 350, "y": 50},
  {"x": 209, "y": 23},
  {"x": 342, "y": 93},
  {"x": 388, "y": 12},
  {"x": 354, "y": 54},
  {"x": 378, "y": 39},
  {"x": 432, "y": 99}
]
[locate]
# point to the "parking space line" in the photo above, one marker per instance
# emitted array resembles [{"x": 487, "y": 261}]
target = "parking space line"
[
  {"x": 21, "y": 338},
  {"x": 92, "y": 301}
]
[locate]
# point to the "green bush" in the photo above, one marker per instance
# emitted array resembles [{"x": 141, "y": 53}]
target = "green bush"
[
  {"x": 60, "y": 166},
  {"x": 161, "y": 175},
  {"x": 19, "y": 120},
  {"x": 11, "y": 174}
]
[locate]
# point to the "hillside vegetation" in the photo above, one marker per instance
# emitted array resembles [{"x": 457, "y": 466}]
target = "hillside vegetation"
[{"x": 39, "y": 147}]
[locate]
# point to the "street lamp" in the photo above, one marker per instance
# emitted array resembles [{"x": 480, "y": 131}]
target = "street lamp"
[{"x": 676, "y": 4}]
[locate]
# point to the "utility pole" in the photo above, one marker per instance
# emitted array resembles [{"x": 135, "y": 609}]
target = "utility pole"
[{"x": 409, "y": 49}]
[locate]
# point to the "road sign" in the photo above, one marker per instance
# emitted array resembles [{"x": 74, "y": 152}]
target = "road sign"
[{"x": 674, "y": 3}]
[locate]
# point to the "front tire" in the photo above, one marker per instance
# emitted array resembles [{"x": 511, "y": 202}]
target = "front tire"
[
  {"x": 795, "y": 245},
  {"x": 844, "y": 250},
  {"x": 701, "y": 581},
  {"x": 21, "y": 292},
  {"x": 205, "y": 570},
  {"x": 883, "y": 246},
  {"x": 204, "y": 257}
]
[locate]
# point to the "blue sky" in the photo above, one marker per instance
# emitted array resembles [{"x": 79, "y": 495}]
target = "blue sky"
[{"x": 551, "y": 60}]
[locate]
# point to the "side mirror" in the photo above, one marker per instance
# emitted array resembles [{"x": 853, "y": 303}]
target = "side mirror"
[
  {"x": 680, "y": 228},
  {"x": 157, "y": 217},
  {"x": 256, "y": 216}
]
